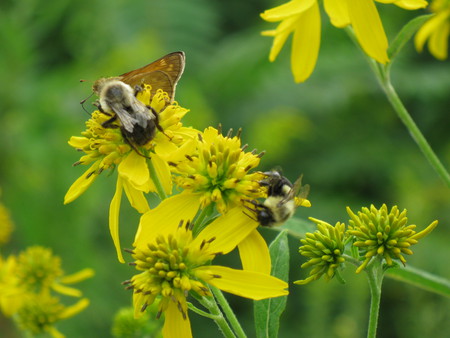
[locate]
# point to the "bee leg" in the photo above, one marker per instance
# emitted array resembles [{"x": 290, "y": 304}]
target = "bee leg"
[
  {"x": 132, "y": 145},
  {"x": 137, "y": 90},
  {"x": 100, "y": 108},
  {"x": 157, "y": 122},
  {"x": 109, "y": 123}
]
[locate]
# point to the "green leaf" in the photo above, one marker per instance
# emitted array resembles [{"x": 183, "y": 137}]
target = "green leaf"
[
  {"x": 268, "y": 311},
  {"x": 421, "y": 279},
  {"x": 405, "y": 34},
  {"x": 297, "y": 227}
]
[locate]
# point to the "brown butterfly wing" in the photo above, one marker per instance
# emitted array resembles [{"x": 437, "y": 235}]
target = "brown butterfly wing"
[{"x": 163, "y": 73}]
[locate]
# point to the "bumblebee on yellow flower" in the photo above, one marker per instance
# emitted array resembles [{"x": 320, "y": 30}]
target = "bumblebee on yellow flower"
[
  {"x": 105, "y": 148},
  {"x": 302, "y": 18}
]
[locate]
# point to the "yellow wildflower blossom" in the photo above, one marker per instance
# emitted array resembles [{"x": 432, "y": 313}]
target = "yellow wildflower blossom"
[
  {"x": 436, "y": 30},
  {"x": 219, "y": 171},
  {"x": 105, "y": 148},
  {"x": 302, "y": 18},
  {"x": 173, "y": 262},
  {"x": 6, "y": 225},
  {"x": 41, "y": 312},
  {"x": 324, "y": 248},
  {"x": 385, "y": 233}
]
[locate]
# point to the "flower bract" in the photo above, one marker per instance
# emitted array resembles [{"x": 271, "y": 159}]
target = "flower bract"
[
  {"x": 324, "y": 249},
  {"x": 383, "y": 232}
]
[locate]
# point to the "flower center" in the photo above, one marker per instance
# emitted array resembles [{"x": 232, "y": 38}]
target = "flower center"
[{"x": 167, "y": 267}]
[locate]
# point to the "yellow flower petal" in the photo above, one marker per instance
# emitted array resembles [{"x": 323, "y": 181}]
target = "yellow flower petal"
[
  {"x": 305, "y": 44},
  {"x": 338, "y": 13},
  {"x": 368, "y": 29},
  {"x": 438, "y": 44},
  {"x": 65, "y": 290},
  {"x": 78, "y": 142},
  {"x": 136, "y": 198},
  {"x": 74, "y": 309},
  {"x": 166, "y": 217},
  {"x": 254, "y": 253},
  {"x": 228, "y": 230},
  {"x": 133, "y": 168},
  {"x": 248, "y": 284},
  {"x": 54, "y": 333},
  {"x": 406, "y": 4},
  {"x": 78, "y": 276},
  {"x": 81, "y": 184},
  {"x": 281, "y": 34},
  {"x": 175, "y": 326},
  {"x": 287, "y": 10},
  {"x": 428, "y": 28},
  {"x": 163, "y": 171},
  {"x": 114, "y": 210}
]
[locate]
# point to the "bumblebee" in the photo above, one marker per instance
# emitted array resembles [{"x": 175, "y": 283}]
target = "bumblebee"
[
  {"x": 280, "y": 204},
  {"x": 117, "y": 97}
]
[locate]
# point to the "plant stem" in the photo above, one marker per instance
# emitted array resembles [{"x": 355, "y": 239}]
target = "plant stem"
[
  {"x": 375, "y": 277},
  {"x": 382, "y": 73},
  {"x": 228, "y": 312},
  {"x": 412, "y": 127},
  {"x": 213, "y": 308},
  {"x": 155, "y": 178}
]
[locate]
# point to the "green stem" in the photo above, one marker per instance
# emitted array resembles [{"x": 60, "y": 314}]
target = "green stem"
[
  {"x": 375, "y": 277},
  {"x": 228, "y": 312},
  {"x": 155, "y": 179},
  {"x": 382, "y": 73},
  {"x": 412, "y": 127},
  {"x": 199, "y": 220},
  {"x": 219, "y": 319},
  {"x": 202, "y": 313}
]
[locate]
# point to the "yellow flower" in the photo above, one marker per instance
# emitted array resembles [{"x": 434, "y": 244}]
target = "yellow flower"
[
  {"x": 436, "y": 30},
  {"x": 219, "y": 171},
  {"x": 6, "y": 225},
  {"x": 385, "y": 233},
  {"x": 38, "y": 269},
  {"x": 173, "y": 262},
  {"x": 302, "y": 18},
  {"x": 10, "y": 293},
  {"x": 105, "y": 148},
  {"x": 41, "y": 312},
  {"x": 125, "y": 325},
  {"x": 34, "y": 271},
  {"x": 324, "y": 248}
]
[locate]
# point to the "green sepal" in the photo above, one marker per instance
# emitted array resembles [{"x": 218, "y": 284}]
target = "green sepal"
[
  {"x": 405, "y": 34},
  {"x": 268, "y": 311}
]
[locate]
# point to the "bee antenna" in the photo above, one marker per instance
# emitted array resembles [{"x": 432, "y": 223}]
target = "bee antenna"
[{"x": 83, "y": 101}]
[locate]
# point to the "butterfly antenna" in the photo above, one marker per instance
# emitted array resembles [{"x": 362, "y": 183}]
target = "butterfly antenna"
[{"x": 83, "y": 101}]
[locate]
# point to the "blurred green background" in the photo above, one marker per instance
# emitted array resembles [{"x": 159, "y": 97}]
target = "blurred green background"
[{"x": 337, "y": 129}]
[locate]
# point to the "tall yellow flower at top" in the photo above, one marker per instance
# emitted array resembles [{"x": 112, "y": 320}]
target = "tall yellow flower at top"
[
  {"x": 436, "y": 30},
  {"x": 302, "y": 18}
]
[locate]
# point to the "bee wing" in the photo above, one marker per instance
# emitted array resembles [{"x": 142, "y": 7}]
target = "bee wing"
[
  {"x": 124, "y": 116},
  {"x": 298, "y": 191},
  {"x": 141, "y": 113},
  {"x": 163, "y": 73}
]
